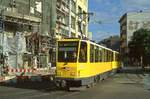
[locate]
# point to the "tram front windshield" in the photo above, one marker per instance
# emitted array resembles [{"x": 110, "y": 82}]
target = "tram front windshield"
[{"x": 67, "y": 51}]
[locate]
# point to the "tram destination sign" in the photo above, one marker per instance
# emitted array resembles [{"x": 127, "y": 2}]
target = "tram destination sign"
[
  {"x": 67, "y": 44},
  {"x": 67, "y": 49}
]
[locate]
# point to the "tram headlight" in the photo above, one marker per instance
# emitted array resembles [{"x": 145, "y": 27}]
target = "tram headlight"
[{"x": 73, "y": 74}]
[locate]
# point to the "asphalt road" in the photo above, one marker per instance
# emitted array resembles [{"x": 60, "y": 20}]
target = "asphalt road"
[{"x": 120, "y": 86}]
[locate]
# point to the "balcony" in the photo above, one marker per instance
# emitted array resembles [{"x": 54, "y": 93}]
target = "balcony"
[{"x": 18, "y": 16}]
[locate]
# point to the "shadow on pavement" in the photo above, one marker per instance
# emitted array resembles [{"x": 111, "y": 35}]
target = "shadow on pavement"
[{"x": 45, "y": 86}]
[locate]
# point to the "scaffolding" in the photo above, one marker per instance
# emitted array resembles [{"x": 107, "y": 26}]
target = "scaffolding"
[{"x": 2, "y": 57}]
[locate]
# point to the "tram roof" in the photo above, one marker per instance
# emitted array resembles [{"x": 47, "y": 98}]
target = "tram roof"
[{"x": 94, "y": 43}]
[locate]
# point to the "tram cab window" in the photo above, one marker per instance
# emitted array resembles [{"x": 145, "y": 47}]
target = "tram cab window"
[
  {"x": 83, "y": 52},
  {"x": 67, "y": 51}
]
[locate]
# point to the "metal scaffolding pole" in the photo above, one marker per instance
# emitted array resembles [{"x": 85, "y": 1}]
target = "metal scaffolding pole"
[
  {"x": 70, "y": 6},
  {"x": 2, "y": 31}
]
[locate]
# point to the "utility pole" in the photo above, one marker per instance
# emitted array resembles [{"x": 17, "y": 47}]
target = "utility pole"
[
  {"x": 17, "y": 48},
  {"x": 53, "y": 18},
  {"x": 80, "y": 23}
]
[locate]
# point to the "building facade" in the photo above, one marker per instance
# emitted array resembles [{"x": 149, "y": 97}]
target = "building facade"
[
  {"x": 129, "y": 23},
  {"x": 20, "y": 13},
  {"x": 72, "y": 18},
  {"x": 29, "y": 29},
  {"x": 20, "y": 35}
]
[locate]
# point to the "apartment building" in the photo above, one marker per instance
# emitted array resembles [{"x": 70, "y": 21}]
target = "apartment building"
[{"x": 129, "y": 23}]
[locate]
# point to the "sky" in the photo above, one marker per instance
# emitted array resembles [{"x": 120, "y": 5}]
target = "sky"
[{"x": 108, "y": 12}]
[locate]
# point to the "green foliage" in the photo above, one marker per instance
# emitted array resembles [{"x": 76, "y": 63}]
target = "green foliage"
[{"x": 140, "y": 45}]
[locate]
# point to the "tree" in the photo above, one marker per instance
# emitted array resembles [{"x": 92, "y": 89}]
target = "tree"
[{"x": 139, "y": 46}]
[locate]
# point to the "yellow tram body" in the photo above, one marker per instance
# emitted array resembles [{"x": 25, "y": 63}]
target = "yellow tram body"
[{"x": 92, "y": 62}]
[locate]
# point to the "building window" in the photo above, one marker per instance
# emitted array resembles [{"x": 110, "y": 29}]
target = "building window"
[
  {"x": 79, "y": 26},
  {"x": 73, "y": 9},
  {"x": 67, "y": 20},
  {"x": 73, "y": 22},
  {"x": 80, "y": 12},
  {"x": 64, "y": 32}
]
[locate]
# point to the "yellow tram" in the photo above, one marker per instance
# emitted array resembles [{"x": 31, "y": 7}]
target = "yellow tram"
[{"x": 83, "y": 62}]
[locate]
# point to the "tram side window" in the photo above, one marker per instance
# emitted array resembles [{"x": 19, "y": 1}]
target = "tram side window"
[
  {"x": 114, "y": 56},
  {"x": 91, "y": 53},
  {"x": 107, "y": 58},
  {"x": 111, "y": 56},
  {"x": 83, "y": 52},
  {"x": 96, "y": 54},
  {"x": 106, "y": 55},
  {"x": 117, "y": 57},
  {"x": 103, "y": 55},
  {"x": 100, "y": 55}
]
